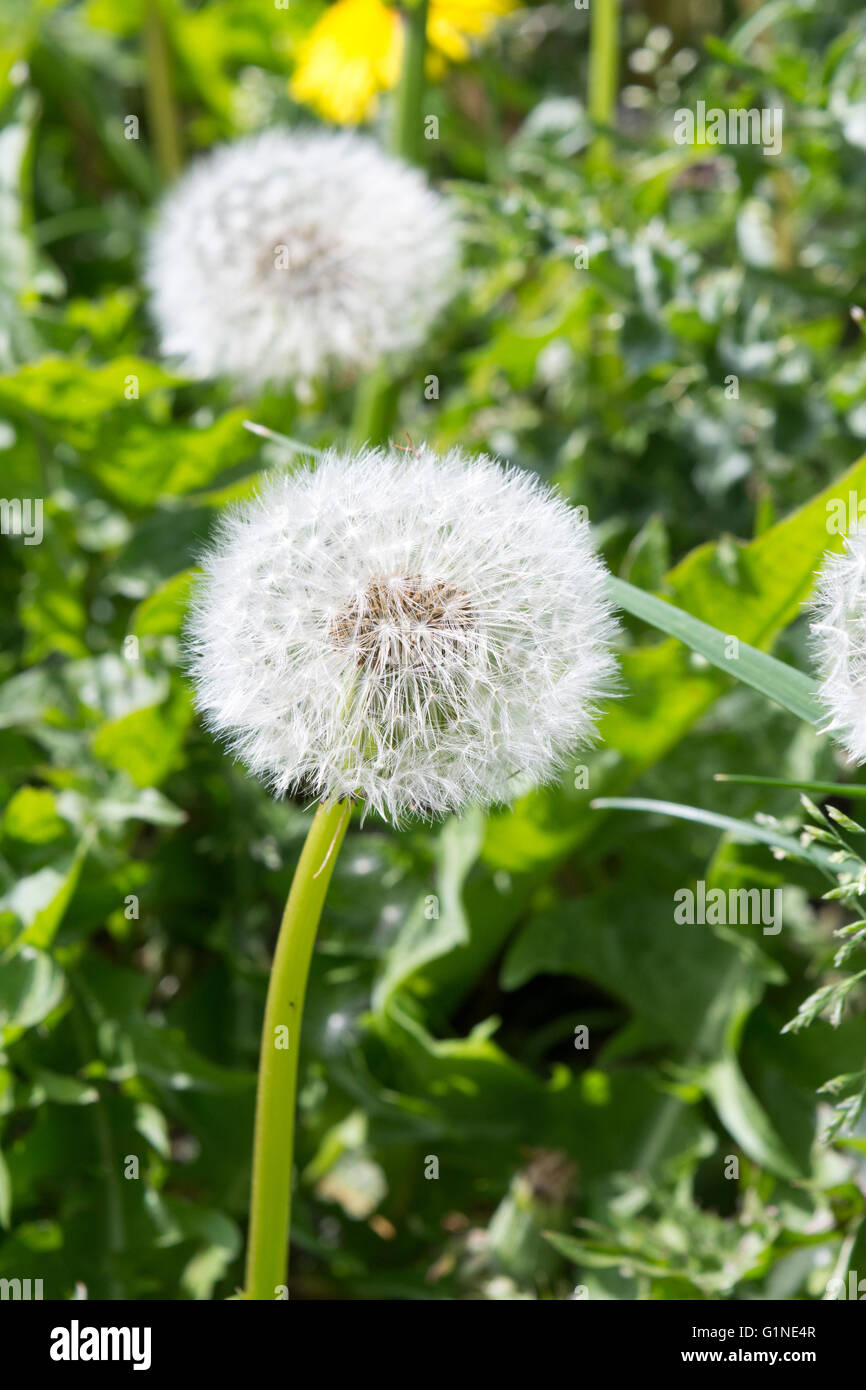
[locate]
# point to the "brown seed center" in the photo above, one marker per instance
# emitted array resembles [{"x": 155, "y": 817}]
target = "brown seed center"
[{"x": 395, "y": 619}]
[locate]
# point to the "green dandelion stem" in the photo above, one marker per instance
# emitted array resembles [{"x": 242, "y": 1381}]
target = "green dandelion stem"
[
  {"x": 603, "y": 68},
  {"x": 408, "y": 111},
  {"x": 375, "y": 407},
  {"x": 376, "y": 397},
  {"x": 162, "y": 110},
  {"x": 270, "y": 1202}
]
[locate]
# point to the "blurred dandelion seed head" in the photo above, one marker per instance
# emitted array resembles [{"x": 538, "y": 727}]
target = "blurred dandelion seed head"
[
  {"x": 422, "y": 632},
  {"x": 838, "y": 642},
  {"x": 291, "y": 255}
]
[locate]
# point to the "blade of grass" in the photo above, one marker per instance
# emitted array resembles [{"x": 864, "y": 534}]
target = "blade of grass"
[
  {"x": 784, "y": 684},
  {"x": 297, "y": 446},
  {"x": 742, "y": 830},
  {"x": 851, "y": 789}
]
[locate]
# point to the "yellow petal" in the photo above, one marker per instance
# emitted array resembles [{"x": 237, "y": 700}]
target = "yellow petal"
[
  {"x": 350, "y": 55},
  {"x": 451, "y": 24}
]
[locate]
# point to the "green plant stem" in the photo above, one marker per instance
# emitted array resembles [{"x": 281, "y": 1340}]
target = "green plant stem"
[
  {"x": 375, "y": 407},
  {"x": 408, "y": 114},
  {"x": 376, "y": 395},
  {"x": 603, "y": 70},
  {"x": 669, "y": 1111},
  {"x": 162, "y": 111},
  {"x": 270, "y": 1202},
  {"x": 115, "y": 1226}
]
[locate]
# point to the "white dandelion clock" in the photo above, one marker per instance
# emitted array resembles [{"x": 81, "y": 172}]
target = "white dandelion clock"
[
  {"x": 418, "y": 632},
  {"x": 291, "y": 255},
  {"x": 838, "y": 639}
]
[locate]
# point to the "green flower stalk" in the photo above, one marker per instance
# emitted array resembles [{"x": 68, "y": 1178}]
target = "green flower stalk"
[
  {"x": 162, "y": 110},
  {"x": 273, "y": 1145},
  {"x": 603, "y": 70},
  {"x": 376, "y": 396}
]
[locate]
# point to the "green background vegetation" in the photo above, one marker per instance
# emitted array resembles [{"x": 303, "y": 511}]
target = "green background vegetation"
[{"x": 449, "y": 1036}]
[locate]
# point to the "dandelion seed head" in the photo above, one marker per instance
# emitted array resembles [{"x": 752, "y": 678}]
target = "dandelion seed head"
[
  {"x": 291, "y": 255},
  {"x": 421, "y": 632},
  {"x": 838, "y": 643}
]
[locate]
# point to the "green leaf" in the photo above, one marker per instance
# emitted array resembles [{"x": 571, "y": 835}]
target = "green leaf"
[
  {"x": 162, "y": 612},
  {"x": 164, "y": 1056},
  {"x": 130, "y": 803},
  {"x": 105, "y": 685},
  {"x": 667, "y": 973},
  {"x": 61, "y": 1090},
  {"x": 76, "y": 394},
  {"x": 40, "y": 900},
  {"x": 31, "y": 816},
  {"x": 147, "y": 743},
  {"x": 438, "y": 922},
  {"x": 220, "y": 1243},
  {"x": 31, "y": 985},
  {"x": 147, "y": 464},
  {"x": 745, "y": 1119},
  {"x": 788, "y": 687}
]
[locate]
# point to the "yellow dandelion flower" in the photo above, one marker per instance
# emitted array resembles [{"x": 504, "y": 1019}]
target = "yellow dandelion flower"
[
  {"x": 452, "y": 24},
  {"x": 350, "y": 55},
  {"x": 353, "y": 52}
]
